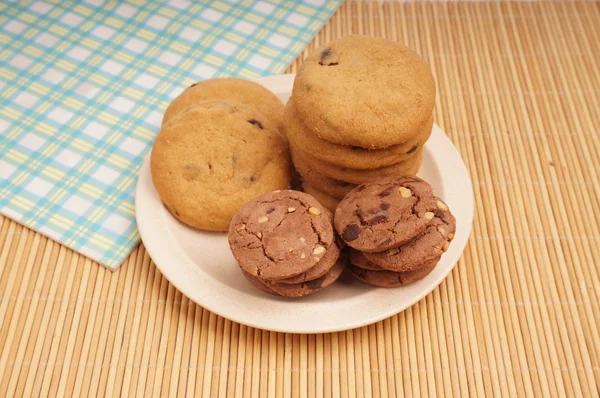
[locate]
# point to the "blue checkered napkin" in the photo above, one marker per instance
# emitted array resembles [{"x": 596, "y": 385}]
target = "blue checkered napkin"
[{"x": 83, "y": 86}]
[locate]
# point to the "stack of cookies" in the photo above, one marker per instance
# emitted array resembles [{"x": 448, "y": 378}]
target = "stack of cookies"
[
  {"x": 361, "y": 108},
  {"x": 397, "y": 230},
  {"x": 285, "y": 244}
]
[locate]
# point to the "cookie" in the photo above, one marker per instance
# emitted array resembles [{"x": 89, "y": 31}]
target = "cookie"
[
  {"x": 408, "y": 167},
  {"x": 364, "y": 91},
  {"x": 213, "y": 159},
  {"x": 320, "y": 268},
  {"x": 427, "y": 246},
  {"x": 326, "y": 200},
  {"x": 385, "y": 213},
  {"x": 359, "y": 260},
  {"x": 259, "y": 284},
  {"x": 248, "y": 93},
  {"x": 347, "y": 155},
  {"x": 312, "y": 286},
  {"x": 335, "y": 188},
  {"x": 280, "y": 235},
  {"x": 391, "y": 278}
]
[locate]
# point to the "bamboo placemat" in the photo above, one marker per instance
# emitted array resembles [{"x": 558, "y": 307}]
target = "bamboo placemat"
[{"x": 519, "y": 94}]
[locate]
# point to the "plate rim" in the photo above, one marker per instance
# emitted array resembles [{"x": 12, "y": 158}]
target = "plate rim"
[{"x": 159, "y": 257}]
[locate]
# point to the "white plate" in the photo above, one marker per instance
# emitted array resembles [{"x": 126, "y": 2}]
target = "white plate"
[{"x": 202, "y": 267}]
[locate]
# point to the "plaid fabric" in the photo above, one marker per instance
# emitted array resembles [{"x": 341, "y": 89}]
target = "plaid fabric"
[{"x": 83, "y": 86}]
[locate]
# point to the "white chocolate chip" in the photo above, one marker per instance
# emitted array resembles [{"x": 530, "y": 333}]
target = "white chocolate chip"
[
  {"x": 450, "y": 236},
  {"x": 393, "y": 251},
  {"x": 314, "y": 211},
  {"x": 441, "y": 205},
  {"x": 259, "y": 234},
  {"x": 405, "y": 192},
  {"x": 446, "y": 245},
  {"x": 442, "y": 230},
  {"x": 291, "y": 209},
  {"x": 241, "y": 228},
  {"x": 429, "y": 215},
  {"x": 263, "y": 219},
  {"x": 303, "y": 256},
  {"x": 318, "y": 250},
  {"x": 302, "y": 240},
  {"x": 290, "y": 249}
]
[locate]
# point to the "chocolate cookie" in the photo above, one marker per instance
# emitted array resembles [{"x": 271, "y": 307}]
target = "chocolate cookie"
[
  {"x": 280, "y": 235},
  {"x": 312, "y": 286},
  {"x": 245, "y": 92},
  {"x": 335, "y": 188},
  {"x": 347, "y": 155},
  {"x": 364, "y": 91},
  {"x": 390, "y": 278},
  {"x": 359, "y": 260},
  {"x": 258, "y": 283},
  {"x": 385, "y": 213},
  {"x": 215, "y": 157},
  {"x": 326, "y": 200},
  {"x": 408, "y": 167},
  {"x": 320, "y": 268},
  {"x": 427, "y": 246}
]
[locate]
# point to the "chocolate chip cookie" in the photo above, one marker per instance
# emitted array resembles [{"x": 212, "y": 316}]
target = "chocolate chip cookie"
[
  {"x": 427, "y": 246},
  {"x": 215, "y": 157},
  {"x": 364, "y": 91},
  {"x": 410, "y": 167},
  {"x": 326, "y": 200},
  {"x": 280, "y": 235},
  {"x": 327, "y": 261},
  {"x": 359, "y": 260},
  {"x": 391, "y": 278},
  {"x": 248, "y": 93},
  {"x": 347, "y": 155},
  {"x": 335, "y": 188},
  {"x": 385, "y": 213}
]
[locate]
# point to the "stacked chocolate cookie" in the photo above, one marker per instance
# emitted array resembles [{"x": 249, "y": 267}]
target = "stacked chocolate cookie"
[
  {"x": 361, "y": 108},
  {"x": 285, "y": 244},
  {"x": 397, "y": 230}
]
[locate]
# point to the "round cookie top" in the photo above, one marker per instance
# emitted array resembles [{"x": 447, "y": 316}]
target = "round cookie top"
[
  {"x": 280, "y": 234},
  {"x": 364, "y": 91},
  {"x": 427, "y": 246},
  {"x": 385, "y": 213},
  {"x": 347, "y": 155},
  {"x": 215, "y": 157},
  {"x": 248, "y": 93}
]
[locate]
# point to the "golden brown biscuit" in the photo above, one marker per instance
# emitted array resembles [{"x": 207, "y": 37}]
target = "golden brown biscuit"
[
  {"x": 337, "y": 189},
  {"x": 213, "y": 159},
  {"x": 248, "y": 93},
  {"x": 364, "y": 91}
]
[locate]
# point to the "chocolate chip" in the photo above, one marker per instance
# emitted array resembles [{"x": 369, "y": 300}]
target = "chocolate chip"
[
  {"x": 378, "y": 219},
  {"x": 315, "y": 283},
  {"x": 271, "y": 210},
  {"x": 351, "y": 232},
  {"x": 438, "y": 213},
  {"x": 373, "y": 211},
  {"x": 384, "y": 206},
  {"x": 256, "y": 123},
  {"x": 412, "y": 149},
  {"x": 384, "y": 193},
  {"x": 252, "y": 178},
  {"x": 386, "y": 242},
  {"x": 328, "y": 58},
  {"x": 360, "y": 188},
  {"x": 193, "y": 85}
]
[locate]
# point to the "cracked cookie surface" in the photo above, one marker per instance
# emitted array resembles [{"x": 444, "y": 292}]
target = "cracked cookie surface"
[
  {"x": 385, "y": 213},
  {"x": 245, "y": 92},
  {"x": 280, "y": 234},
  {"x": 215, "y": 157},
  {"x": 425, "y": 247},
  {"x": 364, "y": 91}
]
